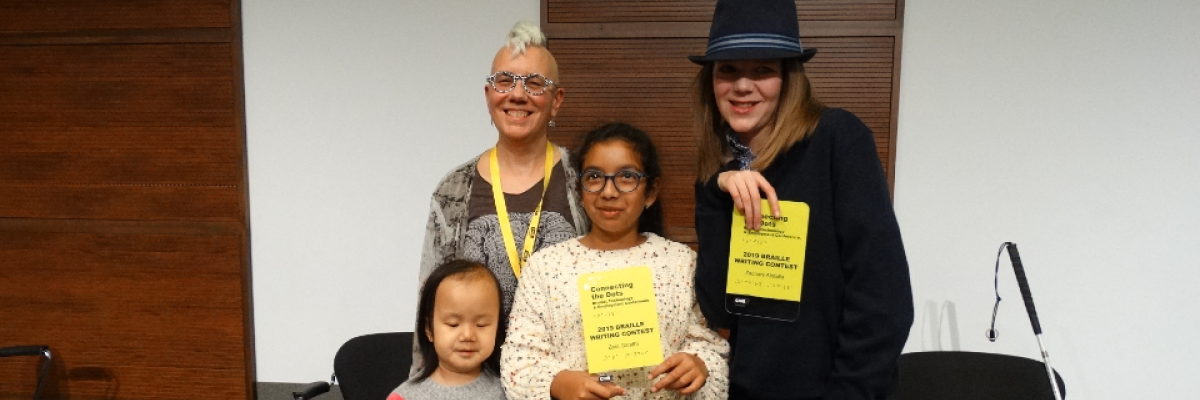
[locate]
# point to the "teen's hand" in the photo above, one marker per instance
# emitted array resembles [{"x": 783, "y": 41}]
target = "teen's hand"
[
  {"x": 685, "y": 373},
  {"x": 573, "y": 385},
  {"x": 745, "y": 188}
]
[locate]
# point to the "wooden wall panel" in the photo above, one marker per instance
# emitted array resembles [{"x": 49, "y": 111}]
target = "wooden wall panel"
[
  {"x": 626, "y": 61},
  {"x": 122, "y": 202},
  {"x": 154, "y": 315},
  {"x": 645, "y": 82},
  {"x": 119, "y": 155},
  {"x": 65, "y": 156},
  {"x": 123, "y": 227},
  {"x": 855, "y": 73},
  {"x": 66, "y": 15},
  {"x": 592, "y": 11}
]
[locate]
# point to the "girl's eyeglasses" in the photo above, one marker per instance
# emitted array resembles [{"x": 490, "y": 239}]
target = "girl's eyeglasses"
[{"x": 593, "y": 181}]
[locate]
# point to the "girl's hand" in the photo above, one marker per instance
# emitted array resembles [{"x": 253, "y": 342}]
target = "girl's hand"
[
  {"x": 744, "y": 187},
  {"x": 685, "y": 373},
  {"x": 572, "y": 385}
]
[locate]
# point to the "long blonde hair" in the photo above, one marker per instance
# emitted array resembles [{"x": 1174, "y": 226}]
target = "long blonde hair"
[{"x": 796, "y": 118}]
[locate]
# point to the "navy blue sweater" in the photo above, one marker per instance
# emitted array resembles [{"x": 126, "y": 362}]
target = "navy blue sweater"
[{"x": 856, "y": 306}]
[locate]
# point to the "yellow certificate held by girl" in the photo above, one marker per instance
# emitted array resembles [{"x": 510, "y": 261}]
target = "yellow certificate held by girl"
[{"x": 620, "y": 319}]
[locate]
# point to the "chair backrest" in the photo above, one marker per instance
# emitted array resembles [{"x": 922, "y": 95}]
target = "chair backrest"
[
  {"x": 957, "y": 375},
  {"x": 368, "y": 367}
]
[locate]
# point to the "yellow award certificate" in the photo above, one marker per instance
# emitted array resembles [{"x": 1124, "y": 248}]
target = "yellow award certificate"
[
  {"x": 769, "y": 263},
  {"x": 620, "y": 319}
]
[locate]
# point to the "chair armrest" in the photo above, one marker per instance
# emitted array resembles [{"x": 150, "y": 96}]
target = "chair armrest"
[
  {"x": 311, "y": 390},
  {"x": 22, "y": 351}
]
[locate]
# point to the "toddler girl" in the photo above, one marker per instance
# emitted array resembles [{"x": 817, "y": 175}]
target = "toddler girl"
[{"x": 459, "y": 332}]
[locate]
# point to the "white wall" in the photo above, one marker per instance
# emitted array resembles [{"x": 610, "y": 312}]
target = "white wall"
[
  {"x": 354, "y": 110},
  {"x": 1068, "y": 127}
]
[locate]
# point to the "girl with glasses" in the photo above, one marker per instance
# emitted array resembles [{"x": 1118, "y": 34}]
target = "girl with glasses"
[{"x": 543, "y": 355}]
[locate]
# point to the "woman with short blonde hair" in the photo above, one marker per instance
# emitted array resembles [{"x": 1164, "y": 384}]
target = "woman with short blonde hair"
[{"x": 519, "y": 196}]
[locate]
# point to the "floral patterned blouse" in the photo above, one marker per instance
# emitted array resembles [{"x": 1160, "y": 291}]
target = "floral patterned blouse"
[{"x": 545, "y": 332}]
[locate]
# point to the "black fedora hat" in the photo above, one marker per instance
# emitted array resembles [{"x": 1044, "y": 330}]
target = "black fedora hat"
[{"x": 754, "y": 30}]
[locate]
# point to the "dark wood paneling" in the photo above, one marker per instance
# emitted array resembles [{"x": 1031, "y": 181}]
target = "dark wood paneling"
[
  {"x": 98, "y": 383},
  {"x": 117, "y": 36},
  {"x": 186, "y": 228},
  {"x": 149, "y": 84},
  {"x": 118, "y": 114},
  {"x": 588, "y": 30},
  {"x": 119, "y": 155},
  {"x": 135, "y": 306},
  {"x": 119, "y": 132},
  {"x": 645, "y": 82},
  {"x": 855, "y": 73},
  {"x": 592, "y": 11},
  {"x": 66, "y": 15},
  {"x": 123, "y": 228},
  {"x": 59, "y": 62},
  {"x": 138, "y": 202}
]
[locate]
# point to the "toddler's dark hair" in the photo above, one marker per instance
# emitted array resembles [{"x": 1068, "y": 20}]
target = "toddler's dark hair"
[{"x": 429, "y": 357}]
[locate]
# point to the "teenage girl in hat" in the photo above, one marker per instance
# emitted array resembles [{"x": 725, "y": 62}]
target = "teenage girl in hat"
[{"x": 763, "y": 134}]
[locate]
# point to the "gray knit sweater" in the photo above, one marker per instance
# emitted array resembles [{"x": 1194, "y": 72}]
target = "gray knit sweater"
[{"x": 485, "y": 387}]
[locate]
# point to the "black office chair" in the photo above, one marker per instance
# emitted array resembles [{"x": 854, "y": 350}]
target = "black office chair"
[
  {"x": 367, "y": 367},
  {"x": 957, "y": 375},
  {"x": 43, "y": 351}
]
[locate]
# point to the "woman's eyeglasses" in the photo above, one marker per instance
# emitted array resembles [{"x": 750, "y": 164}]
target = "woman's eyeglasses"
[
  {"x": 504, "y": 82},
  {"x": 593, "y": 181}
]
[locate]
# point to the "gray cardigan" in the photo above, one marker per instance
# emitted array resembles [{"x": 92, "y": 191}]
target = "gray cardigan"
[
  {"x": 449, "y": 208},
  {"x": 446, "y": 229}
]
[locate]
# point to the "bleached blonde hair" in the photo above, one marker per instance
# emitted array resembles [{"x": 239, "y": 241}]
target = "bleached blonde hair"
[{"x": 522, "y": 34}]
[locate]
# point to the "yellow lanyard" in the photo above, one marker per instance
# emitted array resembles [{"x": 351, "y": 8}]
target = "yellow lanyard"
[{"x": 502, "y": 212}]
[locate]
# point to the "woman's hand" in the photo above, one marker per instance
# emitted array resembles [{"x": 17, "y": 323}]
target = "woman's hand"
[
  {"x": 685, "y": 373},
  {"x": 572, "y": 385},
  {"x": 744, "y": 187}
]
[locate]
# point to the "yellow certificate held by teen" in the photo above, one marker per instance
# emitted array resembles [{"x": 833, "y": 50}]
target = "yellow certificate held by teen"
[
  {"x": 620, "y": 319},
  {"x": 769, "y": 262}
]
